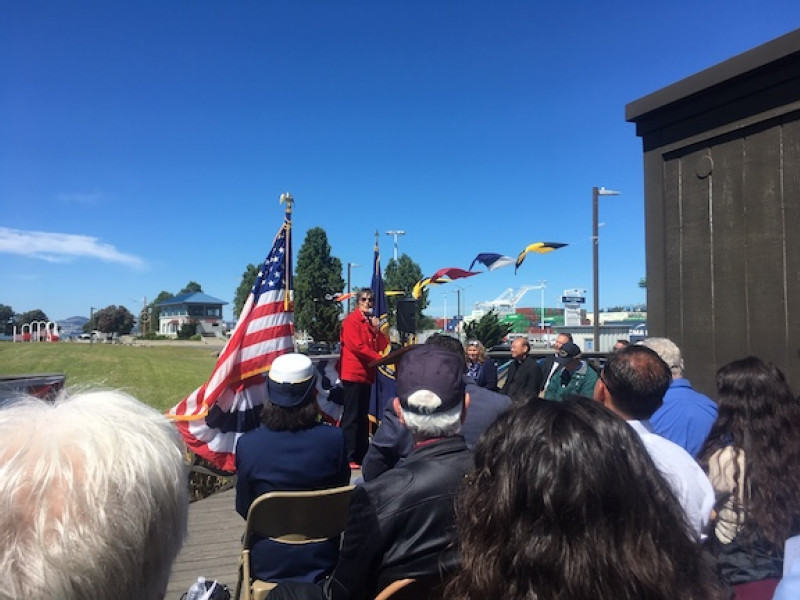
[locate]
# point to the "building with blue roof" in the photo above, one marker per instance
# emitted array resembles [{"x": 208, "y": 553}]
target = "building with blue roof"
[{"x": 201, "y": 308}]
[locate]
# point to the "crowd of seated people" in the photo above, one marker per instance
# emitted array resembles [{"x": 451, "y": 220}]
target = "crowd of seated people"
[
  {"x": 564, "y": 501},
  {"x": 572, "y": 498}
]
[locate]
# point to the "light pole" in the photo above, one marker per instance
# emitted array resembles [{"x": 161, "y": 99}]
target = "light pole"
[
  {"x": 396, "y": 233},
  {"x": 91, "y": 326},
  {"x": 349, "y": 302},
  {"x": 459, "y": 305},
  {"x": 596, "y": 193},
  {"x": 542, "y": 286}
]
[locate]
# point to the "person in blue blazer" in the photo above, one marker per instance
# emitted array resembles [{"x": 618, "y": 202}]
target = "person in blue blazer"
[{"x": 292, "y": 451}]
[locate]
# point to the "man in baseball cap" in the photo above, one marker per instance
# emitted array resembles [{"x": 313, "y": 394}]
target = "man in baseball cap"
[
  {"x": 574, "y": 376},
  {"x": 393, "y": 441},
  {"x": 401, "y": 524}
]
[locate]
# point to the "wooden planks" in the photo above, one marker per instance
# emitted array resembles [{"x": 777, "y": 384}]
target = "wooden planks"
[{"x": 212, "y": 547}]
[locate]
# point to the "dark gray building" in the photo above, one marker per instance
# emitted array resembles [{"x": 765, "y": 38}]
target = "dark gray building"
[{"x": 722, "y": 210}]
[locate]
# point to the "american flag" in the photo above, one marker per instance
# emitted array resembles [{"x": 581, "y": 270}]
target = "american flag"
[{"x": 213, "y": 417}]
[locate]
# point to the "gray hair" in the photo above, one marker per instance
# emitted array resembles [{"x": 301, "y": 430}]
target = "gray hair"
[
  {"x": 94, "y": 496},
  {"x": 442, "y": 424},
  {"x": 669, "y": 353}
]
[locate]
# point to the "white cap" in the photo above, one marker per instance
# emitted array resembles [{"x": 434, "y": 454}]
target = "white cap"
[
  {"x": 291, "y": 368},
  {"x": 291, "y": 379}
]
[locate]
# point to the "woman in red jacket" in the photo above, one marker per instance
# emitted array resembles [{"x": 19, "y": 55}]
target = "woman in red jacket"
[{"x": 361, "y": 343}]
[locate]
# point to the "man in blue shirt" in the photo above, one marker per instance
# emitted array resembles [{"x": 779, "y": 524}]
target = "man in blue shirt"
[{"x": 686, "y": 416}]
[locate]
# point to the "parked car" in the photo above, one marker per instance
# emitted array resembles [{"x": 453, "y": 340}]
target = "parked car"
[
  {"x": 504, "y": 347},
  {"x": 317, "y": 348}
]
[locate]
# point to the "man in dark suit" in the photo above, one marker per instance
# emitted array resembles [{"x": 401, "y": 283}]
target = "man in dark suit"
[
  {"x": 524, "y": 379},
  {"x": 392, "y": 442}
]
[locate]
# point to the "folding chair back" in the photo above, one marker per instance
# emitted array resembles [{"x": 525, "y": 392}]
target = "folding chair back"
[
  {"x": 307, "y": 517},
  {"x": 299, "y": 517}
]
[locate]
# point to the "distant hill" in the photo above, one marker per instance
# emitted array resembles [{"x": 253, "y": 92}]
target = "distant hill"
[
  {"x": 72, "y": 326},
  {"x": 80, "y": 321}
]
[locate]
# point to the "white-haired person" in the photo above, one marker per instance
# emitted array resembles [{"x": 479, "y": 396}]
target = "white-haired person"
[
  {"x": 94, "y": 498},
  {"x": 686, "y": 416}
]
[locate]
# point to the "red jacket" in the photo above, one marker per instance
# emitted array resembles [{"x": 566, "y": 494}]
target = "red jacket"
[{"x": 361, "y": 344}]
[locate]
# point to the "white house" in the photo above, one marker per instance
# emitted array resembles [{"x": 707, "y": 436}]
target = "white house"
[{"x": 201, "y": 308}]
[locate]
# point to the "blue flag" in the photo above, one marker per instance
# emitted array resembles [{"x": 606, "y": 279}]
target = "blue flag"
[{"x": 384, "y": 389}]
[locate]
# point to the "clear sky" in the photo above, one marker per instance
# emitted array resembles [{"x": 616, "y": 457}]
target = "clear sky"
[{"x": 146, "y": 144}]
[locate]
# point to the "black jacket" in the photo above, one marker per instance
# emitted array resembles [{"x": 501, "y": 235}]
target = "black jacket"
[
  {"x": 402, "y": 524},
  {"x": 524, "y": 380}
]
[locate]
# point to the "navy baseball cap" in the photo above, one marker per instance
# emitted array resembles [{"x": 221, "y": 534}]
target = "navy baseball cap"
[
  {"x": 430, "y": 380},
  {"x": 567, "y": 352}
]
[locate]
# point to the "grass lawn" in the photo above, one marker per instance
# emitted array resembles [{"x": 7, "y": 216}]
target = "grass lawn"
[{"x": 160, "y": 376}]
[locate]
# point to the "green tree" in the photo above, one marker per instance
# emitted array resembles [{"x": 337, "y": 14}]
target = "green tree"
[
  {"x": 191, "y": 288},
  {"x": 154, "y": 311},
  {"x": 6, "y": 319},
  {"x": 643, "y": 283},
  {"x": 248, "y": 279},
  {"x": 317, "y": 274},
  {"x": 36, "y": 314},
  {"x": 402, "y": 275},
  {"x": 187, "y": 330},
  {"x": 113, "y": 319},
  {"x": 488, "y": 329}
]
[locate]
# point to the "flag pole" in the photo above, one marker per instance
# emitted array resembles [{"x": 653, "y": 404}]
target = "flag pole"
[{"x": 288, "y": 298}]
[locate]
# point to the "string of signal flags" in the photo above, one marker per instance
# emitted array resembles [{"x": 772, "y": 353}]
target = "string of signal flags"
[{"x": 490, "y": 260}]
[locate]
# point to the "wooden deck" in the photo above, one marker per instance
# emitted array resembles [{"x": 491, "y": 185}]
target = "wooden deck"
[{"x": 212, "y": 547}]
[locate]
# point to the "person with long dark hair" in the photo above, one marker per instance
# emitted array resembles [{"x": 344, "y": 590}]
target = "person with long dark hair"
[
  {"x": 565, "y": 502},
  {"x": 752, "y": 456}
]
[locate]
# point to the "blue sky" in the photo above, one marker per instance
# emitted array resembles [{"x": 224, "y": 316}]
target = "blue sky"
[{"x": 146, "y": 144}]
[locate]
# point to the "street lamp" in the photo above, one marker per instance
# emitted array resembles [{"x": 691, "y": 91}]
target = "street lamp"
[
  {"x": 459, "y": 310},
  {"x": 349, "y": 303},
  {"x": 596, "y": 193},
  {"x": 542, "y": 286},
  {"x": 396, "y": 233}
]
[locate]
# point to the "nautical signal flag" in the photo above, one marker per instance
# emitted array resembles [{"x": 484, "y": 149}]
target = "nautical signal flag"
[
  {"x": 213, "y": 417},
  {"x": 444, "y": 275},
  {"x": 492, "y": 261},
  {"x": 539, "y": 248}
]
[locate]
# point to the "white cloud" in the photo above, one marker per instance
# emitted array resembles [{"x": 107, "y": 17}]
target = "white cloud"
[{"x": 62, "y": 247}]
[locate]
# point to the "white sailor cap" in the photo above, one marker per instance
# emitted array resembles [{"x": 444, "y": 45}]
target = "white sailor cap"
[{"x": 291, "y": 379}]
